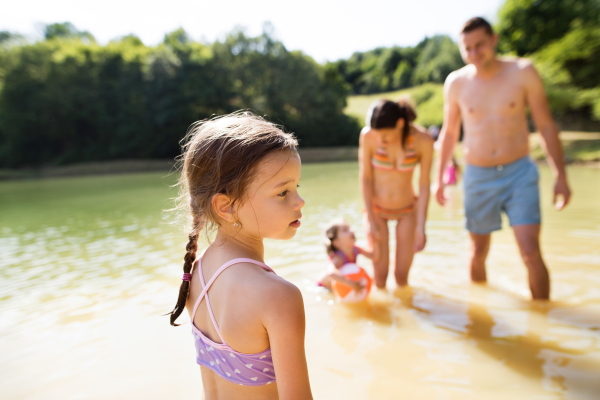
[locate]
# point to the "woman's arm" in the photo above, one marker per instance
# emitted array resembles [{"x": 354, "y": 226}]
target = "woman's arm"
[
  {"x": 426, "y": 157},
  {"x": 366, "y": 181},
  {"x": 284, "y": 321}
]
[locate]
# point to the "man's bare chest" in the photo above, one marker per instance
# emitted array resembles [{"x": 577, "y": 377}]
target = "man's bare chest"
[{"x": 479, "y": 100}]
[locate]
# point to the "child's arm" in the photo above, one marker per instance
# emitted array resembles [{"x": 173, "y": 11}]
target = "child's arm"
[
  {"x": 335, "y": 276},
  {"x": 285, "y": 323},
  {"x": 369, "y": 254}
]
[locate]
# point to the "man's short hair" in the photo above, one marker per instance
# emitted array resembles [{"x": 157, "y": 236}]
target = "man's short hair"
[{"x": 477, "y": 23}]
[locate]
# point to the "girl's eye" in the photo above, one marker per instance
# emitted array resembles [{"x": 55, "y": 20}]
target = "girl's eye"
[{"x": 282, "y": 194}]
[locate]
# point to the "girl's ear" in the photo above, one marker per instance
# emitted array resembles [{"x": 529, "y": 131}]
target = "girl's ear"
[
  {"x": 400, "y": 123},
  {"x": 223, "y": 206}
]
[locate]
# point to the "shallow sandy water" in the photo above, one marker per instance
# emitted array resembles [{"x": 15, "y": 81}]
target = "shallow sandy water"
[{"x": 88, "y": 265}]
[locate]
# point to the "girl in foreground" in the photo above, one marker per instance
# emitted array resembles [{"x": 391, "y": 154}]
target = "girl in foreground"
[
  {"x": 240, "y": 177},
  {"x": 390, "y": 148}
]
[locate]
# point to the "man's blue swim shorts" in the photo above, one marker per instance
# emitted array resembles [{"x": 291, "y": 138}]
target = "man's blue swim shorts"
[{"x": 512, "y": 188}]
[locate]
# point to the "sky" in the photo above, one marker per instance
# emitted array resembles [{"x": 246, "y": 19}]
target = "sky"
[{"x": 327, "y": 30}]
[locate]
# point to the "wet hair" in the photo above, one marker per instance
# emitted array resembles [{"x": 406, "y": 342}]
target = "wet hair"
[
  {"x": 385, "y": 114},
  {"x": 477, "y": 23},
  {"x": 220, "y": 156},
  {"x": 331, "y": 232}
]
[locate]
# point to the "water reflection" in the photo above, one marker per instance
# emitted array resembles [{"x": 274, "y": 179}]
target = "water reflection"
[{"x": 88, "y": 265}]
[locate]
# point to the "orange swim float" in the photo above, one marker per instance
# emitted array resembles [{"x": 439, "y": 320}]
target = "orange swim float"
[{"x": 346, "y": 293}]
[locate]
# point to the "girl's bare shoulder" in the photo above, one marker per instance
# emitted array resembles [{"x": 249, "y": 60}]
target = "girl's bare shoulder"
[{"x": 265, "y": 285}]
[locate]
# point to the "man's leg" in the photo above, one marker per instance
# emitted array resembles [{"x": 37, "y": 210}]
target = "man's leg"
[
  {"x": 480, "y": 246},
  {"x": 528, "y": 239}
]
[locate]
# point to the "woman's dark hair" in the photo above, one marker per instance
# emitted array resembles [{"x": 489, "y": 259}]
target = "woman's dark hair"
[
  {"x": 220, "y": 155},
  {"x": 385, "y": 114}
]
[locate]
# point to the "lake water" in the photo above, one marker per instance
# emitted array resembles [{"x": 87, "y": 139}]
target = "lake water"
[{"x": 88, "y": 265}]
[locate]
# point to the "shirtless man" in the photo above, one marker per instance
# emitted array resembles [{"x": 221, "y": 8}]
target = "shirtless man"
[{"x": 490, "y": 95}]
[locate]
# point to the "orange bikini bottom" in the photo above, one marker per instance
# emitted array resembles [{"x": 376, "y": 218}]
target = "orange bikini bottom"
[{"x": 393, "y": 214}]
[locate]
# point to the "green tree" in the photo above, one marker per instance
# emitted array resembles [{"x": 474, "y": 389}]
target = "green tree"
[
  {"x": 439, "y": 57},
  {"x": 525, "y": 26}
]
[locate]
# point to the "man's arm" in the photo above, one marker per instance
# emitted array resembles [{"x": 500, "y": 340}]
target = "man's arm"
[
  {"x": 540, "y": 111},
  {"x": 449, "y": 134}
]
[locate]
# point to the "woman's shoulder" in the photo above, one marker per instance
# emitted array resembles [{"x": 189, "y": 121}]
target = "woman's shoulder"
[
  {"x": 367, "y": 136},
  {"x": 420, "y": 135}
]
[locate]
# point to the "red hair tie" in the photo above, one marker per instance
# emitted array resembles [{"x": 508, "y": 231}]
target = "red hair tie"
[{"x": 187, "y": 277}]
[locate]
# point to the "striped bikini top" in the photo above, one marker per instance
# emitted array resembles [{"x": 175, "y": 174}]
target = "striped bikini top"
[
  {"x": 233, "y": 366},
  {"x": 381, "y": 160}
]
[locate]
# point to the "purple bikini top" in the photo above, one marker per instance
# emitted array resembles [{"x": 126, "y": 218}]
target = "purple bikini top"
[
  {"x": 343, "y": 256},
  {"x": 240, "y": 368}
]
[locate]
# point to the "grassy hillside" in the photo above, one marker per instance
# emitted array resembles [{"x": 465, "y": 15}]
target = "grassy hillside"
[{"x": 428, "y": 99}]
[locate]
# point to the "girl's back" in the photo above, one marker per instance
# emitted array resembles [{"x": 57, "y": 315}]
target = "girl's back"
[{"x": 241, "y": 301}]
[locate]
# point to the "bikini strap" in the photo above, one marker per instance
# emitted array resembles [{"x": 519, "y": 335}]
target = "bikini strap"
[
  {"x": 342, "y": 256},
  {"x": 207, "y": 286}
]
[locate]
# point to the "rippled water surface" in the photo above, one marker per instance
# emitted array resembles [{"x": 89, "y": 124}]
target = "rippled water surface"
[{"x": 88, "y": 265}]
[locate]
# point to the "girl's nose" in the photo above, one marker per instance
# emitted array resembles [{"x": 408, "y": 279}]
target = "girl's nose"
[{"x": 299, "y": 204}]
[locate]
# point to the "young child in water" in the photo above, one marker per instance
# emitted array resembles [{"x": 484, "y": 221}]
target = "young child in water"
[
  {"x": 239, "y": 180},
  {"x": 340, "y": 244}
]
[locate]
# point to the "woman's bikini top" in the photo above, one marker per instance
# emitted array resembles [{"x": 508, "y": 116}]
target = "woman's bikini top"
[
  {"x": 240, "y": 368},
  {"x": 381, "y": 160}
]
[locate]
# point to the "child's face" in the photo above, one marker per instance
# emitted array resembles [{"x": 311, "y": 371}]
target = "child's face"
[
  {"x": 272, "y": 209},
  {"x": 345, "y": 237}
]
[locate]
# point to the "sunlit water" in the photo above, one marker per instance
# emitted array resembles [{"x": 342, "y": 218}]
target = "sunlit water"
[{"x": 88, "y": 265}]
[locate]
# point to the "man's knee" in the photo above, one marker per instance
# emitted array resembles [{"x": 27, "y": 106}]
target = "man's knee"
[
  {"x": 531, "y": 255},
  {"x": 480, "y": 248}
]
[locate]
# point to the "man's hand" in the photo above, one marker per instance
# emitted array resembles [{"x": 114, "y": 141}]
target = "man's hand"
[
  {"x": 420, "y": 240},
  {"x": 439, "y": 194},
  {"x": 562, "y": 193}
]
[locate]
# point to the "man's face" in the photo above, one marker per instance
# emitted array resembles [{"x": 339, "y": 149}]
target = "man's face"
[{"x": 478, "y": 47}]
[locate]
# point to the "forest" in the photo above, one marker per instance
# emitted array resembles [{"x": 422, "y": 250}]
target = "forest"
[{"x": 66, "y": 98}]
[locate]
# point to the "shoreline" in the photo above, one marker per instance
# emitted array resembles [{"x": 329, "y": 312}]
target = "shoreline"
[{"x": 580, "y": 148}]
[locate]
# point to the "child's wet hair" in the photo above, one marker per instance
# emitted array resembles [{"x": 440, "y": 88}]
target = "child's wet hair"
[
  {"x": 220, "y": 156},
  {"x": 331, "y": 232}
]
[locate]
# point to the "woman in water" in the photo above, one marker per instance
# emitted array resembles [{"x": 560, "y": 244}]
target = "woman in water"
[{"x": 390, "y": 148}]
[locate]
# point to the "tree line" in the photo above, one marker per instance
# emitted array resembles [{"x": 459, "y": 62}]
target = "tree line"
[
  {"x": 562, "y": 37},
  {"x": 67, "y": 99},
  {"x": 394, "y": 68}
]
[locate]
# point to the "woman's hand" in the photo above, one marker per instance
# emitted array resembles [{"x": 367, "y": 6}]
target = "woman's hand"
[
  {"x": 420, "y": 240},
  {"x": 373, "y": 230}
]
